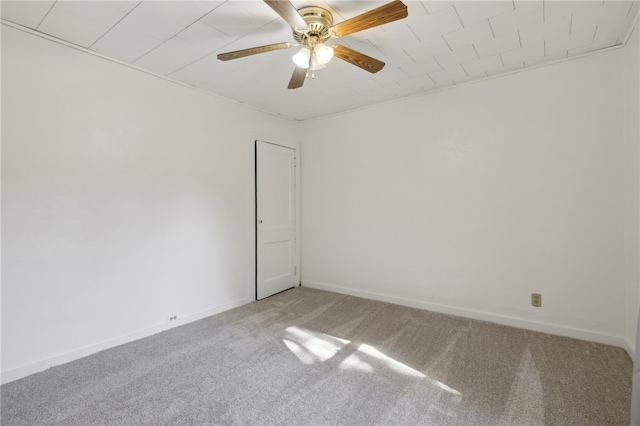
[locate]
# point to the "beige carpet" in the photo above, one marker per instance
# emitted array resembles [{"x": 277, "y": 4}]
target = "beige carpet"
[{"x": 311, "y": 357}]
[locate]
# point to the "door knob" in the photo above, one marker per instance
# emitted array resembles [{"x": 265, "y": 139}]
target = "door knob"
[{"x": 259, "y": 221}]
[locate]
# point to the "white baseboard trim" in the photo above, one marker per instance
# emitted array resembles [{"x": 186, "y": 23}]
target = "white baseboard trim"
[
  {"x": 36, "y": 367},
  {"x": 629, "y": 347},
  {"x": 559, "y": 330}
]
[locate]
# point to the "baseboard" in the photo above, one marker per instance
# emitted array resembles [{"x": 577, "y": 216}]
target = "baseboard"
[
  {"x": 560, "y": 330},
  {"x": 630, "y": 348},
  {"x": 28, "y": 369}
]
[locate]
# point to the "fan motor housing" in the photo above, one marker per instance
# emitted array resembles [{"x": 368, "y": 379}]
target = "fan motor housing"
[{"x": 319, "y": 21}]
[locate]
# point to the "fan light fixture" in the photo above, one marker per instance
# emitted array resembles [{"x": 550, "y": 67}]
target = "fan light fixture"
[{"x": 313, "y": 58}]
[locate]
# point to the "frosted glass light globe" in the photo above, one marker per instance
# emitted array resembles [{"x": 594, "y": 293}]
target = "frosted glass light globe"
[
  {"x": 301, "y": 58},
  {"x": 323, "y": 53}
]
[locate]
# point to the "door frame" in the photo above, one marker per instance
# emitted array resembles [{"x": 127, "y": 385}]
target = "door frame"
[{"x": 296, "y": 148}]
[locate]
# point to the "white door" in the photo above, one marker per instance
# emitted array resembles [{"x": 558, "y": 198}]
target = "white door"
[{"x": 276, "y": 217}]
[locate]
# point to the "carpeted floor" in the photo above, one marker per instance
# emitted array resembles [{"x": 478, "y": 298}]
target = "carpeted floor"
[{"x": 310, "y": 357}]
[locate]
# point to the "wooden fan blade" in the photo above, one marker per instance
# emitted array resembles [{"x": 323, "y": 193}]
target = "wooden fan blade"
[
  {"x": 358, "y": 59},
  {"x": 382, "y": 15},
  {"x": 288, "y": 12},
  {"x": 252, "y": 51},
  {"x": 297, "y": 79}
]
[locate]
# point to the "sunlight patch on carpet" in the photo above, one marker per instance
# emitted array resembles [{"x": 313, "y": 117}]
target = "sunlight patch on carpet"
[
  {"x": 374, "y": 356},
  {"x": 311, "y": 346}
]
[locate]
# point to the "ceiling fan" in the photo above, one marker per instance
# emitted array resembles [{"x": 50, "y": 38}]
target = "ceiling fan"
[{"x": 312, "y": 27}]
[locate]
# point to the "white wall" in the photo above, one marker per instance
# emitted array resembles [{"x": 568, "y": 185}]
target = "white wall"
[
  {"x": 126, "y": 199},
  {"x": 632, "y": 183},
  {"x": 468, "y": 200}
]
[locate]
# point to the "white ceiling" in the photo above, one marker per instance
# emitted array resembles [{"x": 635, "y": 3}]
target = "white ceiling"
[{"x": 440, "y": 44}]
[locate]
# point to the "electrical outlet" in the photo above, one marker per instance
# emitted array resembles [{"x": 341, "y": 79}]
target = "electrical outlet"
[
  {"x": 173, "y": 318},
  {"x": 536, "y": 300}
]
